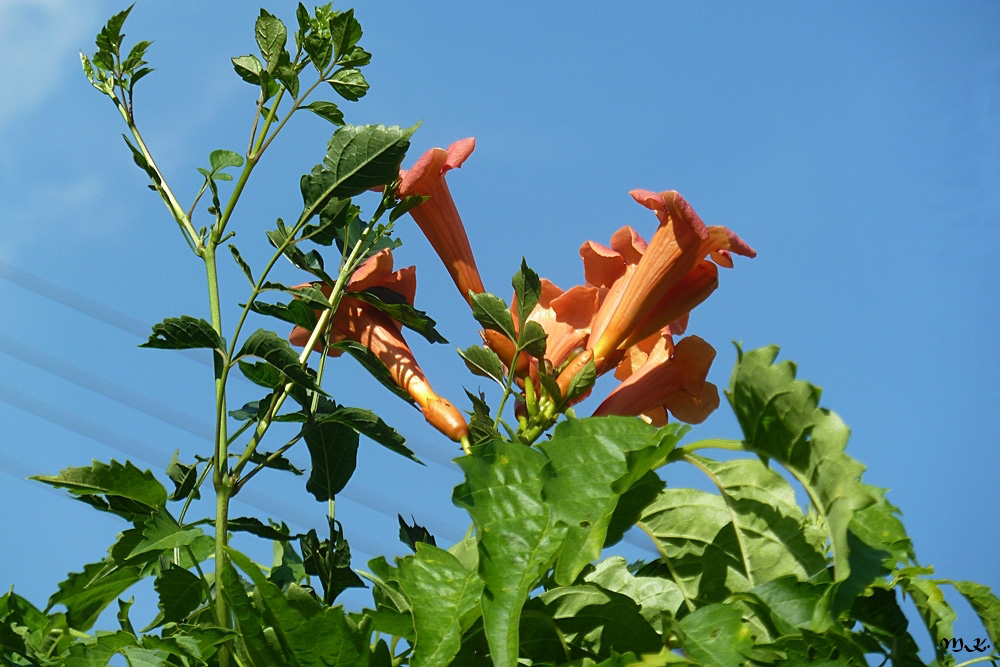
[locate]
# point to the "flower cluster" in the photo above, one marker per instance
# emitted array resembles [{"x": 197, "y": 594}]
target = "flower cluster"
[{"x": 636, "y": 297}]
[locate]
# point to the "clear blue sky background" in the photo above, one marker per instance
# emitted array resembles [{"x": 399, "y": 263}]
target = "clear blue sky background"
[{"x": 855, "y": 145}]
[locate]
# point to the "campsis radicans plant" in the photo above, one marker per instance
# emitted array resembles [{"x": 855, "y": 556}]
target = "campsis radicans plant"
[{"x": 742, "y": 575}]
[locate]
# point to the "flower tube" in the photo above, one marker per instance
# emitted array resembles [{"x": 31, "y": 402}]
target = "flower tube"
[
  {"x": 438, "y": 218},
  {"x": 363, "y": 323}
]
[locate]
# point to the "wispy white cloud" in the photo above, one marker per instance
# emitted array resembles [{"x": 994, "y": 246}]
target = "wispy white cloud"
[{"x": 37, "y": 37}]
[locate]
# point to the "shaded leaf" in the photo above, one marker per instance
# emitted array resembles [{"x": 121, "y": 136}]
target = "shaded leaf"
[
  {"x": 532, "y": 339},
  {"x": 248, "y": 68},
  {"x": 161, "y": 532},
  {"x": 185, "y": 333},
  {"x": 444, "y": 595},
  {"x": 86, "y": 594},
  {"x": 327, "y": 111},
  {"x": 780, "y": 419},
  {"x": 333, "y": 449},
  {"x": 294, "y": 312},
  {"x": 715, "y": 636},
  {"x": 242, "y": 263},
  {"x": 249, "y": 524},
  {"x": 518, "y": 537},
  {"x": 985, "y": 604},
  {"x": 349, "y": 83},
  {"x": 599, "y": 621},
  {"x": 180, "y": 593},
  {"x": 345, "y": 31},
  {"x": 411, "y": 535},
  {"x": 491, "y": 311},
  {"x": 371, "y": 426},
  {"x": 655, "y": 596},
  {"x": 114, "y": 479},
  {"x": 527, "y": 291},
  {"x": 277, "y": 352},
  {"x": 184, "y": 478},
  {"x": 483, "y": 361},
  {"x": 262, "y": 374},
  {"x": 330, "y": 561}
]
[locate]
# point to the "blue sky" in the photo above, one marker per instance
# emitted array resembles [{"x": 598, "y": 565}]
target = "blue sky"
[{"x": 855, "y": 145}]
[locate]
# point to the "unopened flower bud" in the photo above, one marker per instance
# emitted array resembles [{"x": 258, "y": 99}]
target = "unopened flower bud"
[{"x": 445, "y": 417}]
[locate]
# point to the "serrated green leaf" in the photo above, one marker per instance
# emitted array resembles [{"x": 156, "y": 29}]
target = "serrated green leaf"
[
  {"x": 337, "y": 214},
  {"x": 878, "y": 526},
  {"x": 97, "y": 651},
  {"x": 483, "y": 361},
  {"x": 395, "y": 306},
  {"x": 879, "y": 612},
  {"x": 162, "y": 532},
  {"x": 532, "y": 339},
  {"x": 356, "y": 57},
  {"x": 781, "y": 419},
  {"x": 580, "y": 383},
  {"x": 242, "y": 264},
  {"x": 110, "y": 38},
  {"x": 142, "y": 163},
  {"x": 289, "y": 78},
  {"x": 277, "y": 352},
  {"x": 86, "y": 594},
  {"x": 184, "y": 477},
  {"x": 330, "y": 560},
  {"x": 655, "y": 596},
  {"x": 934, "y": 610},
  {"x": 444, "y": 595},
  {"x": 249, "y": 68},
  {"x": 271, "y": 37},
  {"x": 492, "y": 312},
  {"x": 309, "y": 633},
  {"x": 345, "y": 32},
  {"x": 250, "y": 622},
  {"x": 333, "y": 448},
  {"x": 358, "y": 158},
  {"x": 135, "y": 56},
  {"x": 985, "y": 604},
  {"x": 249, "y": 524},
  {"x": 587, "y": 458},
  {"x": 518, "y": 535},
  {"x": 180, "y": 593},
  {"x": 599, "y": 621},
  {"x": 114, "y": 479},
  {"x": 294, "y": 312},
  {"x": 88, "y": 69},
  {"x": 349, "y": 83},
  {"x": 185, "y": 333},
  {"x": 715, "y": 636},
  {"x": 319, "y": 50},
  {"x": 327, "y": 111},
  {"x": 527, "y": 291},
  {"x": 262, "y": 374},
  {"x": 274, "y": 461}
]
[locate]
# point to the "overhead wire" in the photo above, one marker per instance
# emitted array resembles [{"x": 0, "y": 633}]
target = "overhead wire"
[{"x": 154, "y": 408}]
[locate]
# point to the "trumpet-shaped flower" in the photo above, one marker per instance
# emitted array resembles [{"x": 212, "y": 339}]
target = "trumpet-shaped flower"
[
  {"x": 652, "y": 292},
  {"x": 660, "y": 377},
  {"x": 438, "y": 218},
  {"x": 363, "y": 323}
]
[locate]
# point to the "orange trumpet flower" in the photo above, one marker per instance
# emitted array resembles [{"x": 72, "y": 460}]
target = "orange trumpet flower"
[
  {"x": 361, "y": 322},
  {"x": 438, "y": 218}
]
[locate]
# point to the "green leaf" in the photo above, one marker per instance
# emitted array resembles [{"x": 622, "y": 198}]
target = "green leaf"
[
  {"x": 249, "y": 68},
  {"x": 405, "y": 205},
  {"x": 880, "y": 614},
  {"x": 184, "y": 478},
  {"x": 935, "y": 611},
  {"x": 356, "y": 57},
  {"x": 412, "y": 535},
  {"x": 527, "y": 291},
  {"x": 879, "y": 527},
  {"x": 86, "y": 594},
  {"x": 532, "y": 340},
  {"x": 135, "y": 56},
  {"x": 599, "y": 621},
  {"x": 781, "y": 419},
  {"x": 395, "y": 306},
  {"x": 109, "y": 40},
  {"x": 307, "y": 632},
  {"x": 221, "y": 159},
  {"x": 333, "y": 448},
  {"x": 985, "y": 604},
  {"x": 492, "y": 312},
  {"x": 715, "y": 636},
  {"x": 249, "y": 524},
  {"x": 274, "y": 461},
  {"x": 88, "y": 70},
  {"x": 590, "y": 461},
  {"x": 242, "y": 264},
  {"x": 97, "y": 651},
  {"x": 327, "y": 111},
  {"x": 655, "y": 596},
  {"x": 142, "y": 163},
  {"x": 483, "y": 361},
  {"x": 180, "y": 593},
  {"x": 250, "y": 624},
  {"x": 330, "y": 560},
  {"x": 349, "y": 83},
  {"x": 288, "y": 77},
  {"x": 262, "y": 374},
  {"x": 580, "y": 383},
  {"x": 277, "y": 352},
  {"x": 444, "y": 596},
  {"x": 319, "y": 49},
  {"x": 337, "y": 214},
  {"x": 294, "y": 312},
  {"x": 185, "y": 333},
  {"x": 518, "y": 536},
  {"x": 358, "y": 158},
  {"x": 161, "y": 532},
  {"x": 271, "y": 37},
  {"x": 111, "y": 480},
  {"x": 345, "y": 32},
  {"x": 370, "y": 425}
]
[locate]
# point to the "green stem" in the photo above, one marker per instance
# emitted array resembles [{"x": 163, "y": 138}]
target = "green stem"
[
  {"x": 507, "y": 388},
  {"x": 983, "y": 658}
]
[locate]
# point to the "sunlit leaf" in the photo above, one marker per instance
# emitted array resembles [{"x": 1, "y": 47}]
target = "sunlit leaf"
[
  {"x": 271, "y": 37},
  {"x": 483, "y": 361},
  {"x": 327, "y": 111},
  {"x": 185, "y": 333},
  {"x": 114, "y": 479},
  {"x": 715, "y": 636},
  {"x": 491, "y": 312},
  {"x": 349, "y": 83}
]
